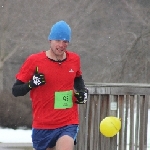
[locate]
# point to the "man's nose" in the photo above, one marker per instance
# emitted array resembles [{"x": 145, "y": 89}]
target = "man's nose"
[{"x": 61, "y": 43}]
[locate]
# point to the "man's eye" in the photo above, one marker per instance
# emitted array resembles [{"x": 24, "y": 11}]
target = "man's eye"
[{"x": 66, "y": 42}]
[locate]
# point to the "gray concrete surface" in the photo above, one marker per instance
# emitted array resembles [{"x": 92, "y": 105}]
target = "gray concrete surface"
[{"x": 15, "y": 146}]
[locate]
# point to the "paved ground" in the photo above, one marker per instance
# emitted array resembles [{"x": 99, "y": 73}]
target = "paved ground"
[{"x": 15, "y": 146}]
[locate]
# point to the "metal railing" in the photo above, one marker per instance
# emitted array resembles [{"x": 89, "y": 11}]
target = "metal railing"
[{"x": 129, "y": 102}]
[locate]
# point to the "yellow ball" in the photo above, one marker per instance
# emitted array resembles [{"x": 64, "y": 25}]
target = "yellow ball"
[{"x": 110, "y": 126}]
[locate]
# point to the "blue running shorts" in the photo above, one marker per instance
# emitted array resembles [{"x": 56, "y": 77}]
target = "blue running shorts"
[{"x": 44, "y": 138}]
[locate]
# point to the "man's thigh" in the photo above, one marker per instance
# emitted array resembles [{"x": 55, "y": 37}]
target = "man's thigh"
[{"x": 65, "y": 142}]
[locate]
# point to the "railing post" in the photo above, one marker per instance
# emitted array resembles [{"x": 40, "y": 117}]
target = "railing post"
[
  {"x": 137, "y": 117},
  {"x": 143, "y": 122},
  {"x": 126, "y": 121},
  {"x": 113, "y": 112},
  {"x": 104, "y": 142},
  {"x": 121, "y": 101},
  {"x": 131, "y": 122}
]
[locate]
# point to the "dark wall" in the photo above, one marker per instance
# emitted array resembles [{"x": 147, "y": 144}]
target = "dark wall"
[{"x": 111, "y": 36}]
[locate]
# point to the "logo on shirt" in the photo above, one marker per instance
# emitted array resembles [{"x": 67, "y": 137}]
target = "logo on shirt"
[{"x": 71, "y": 70}]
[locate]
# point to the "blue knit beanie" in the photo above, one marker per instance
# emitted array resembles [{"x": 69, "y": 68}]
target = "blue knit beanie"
[{"x": 60, "y": 31}]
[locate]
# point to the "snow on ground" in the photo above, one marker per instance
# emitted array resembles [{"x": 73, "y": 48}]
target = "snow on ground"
[{"x": 15, "y": 136}]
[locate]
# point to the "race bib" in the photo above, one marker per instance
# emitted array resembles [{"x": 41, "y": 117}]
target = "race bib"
[{"x": 63, "y": 100}]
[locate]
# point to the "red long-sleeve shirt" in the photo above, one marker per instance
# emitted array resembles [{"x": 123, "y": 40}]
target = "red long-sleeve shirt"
[{"x": 59, "y": 77}]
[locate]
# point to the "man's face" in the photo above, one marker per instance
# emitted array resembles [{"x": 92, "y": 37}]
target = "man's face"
[{"x": 59, "y": 46}]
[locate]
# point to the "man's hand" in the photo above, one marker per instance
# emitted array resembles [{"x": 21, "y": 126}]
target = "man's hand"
[
  {"x": 38, "y": 79},
  {"x": 81, "y": 96}
]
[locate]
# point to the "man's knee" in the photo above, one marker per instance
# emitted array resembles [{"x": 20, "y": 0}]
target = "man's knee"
[{"x": 65, "y": 142}]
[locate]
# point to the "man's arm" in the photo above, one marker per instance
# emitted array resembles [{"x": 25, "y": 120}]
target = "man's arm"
[{"x": 20, "y": 88}]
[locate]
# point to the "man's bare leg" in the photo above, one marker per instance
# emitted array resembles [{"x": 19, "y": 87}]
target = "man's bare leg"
[{"x": 65, "y": 143}]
